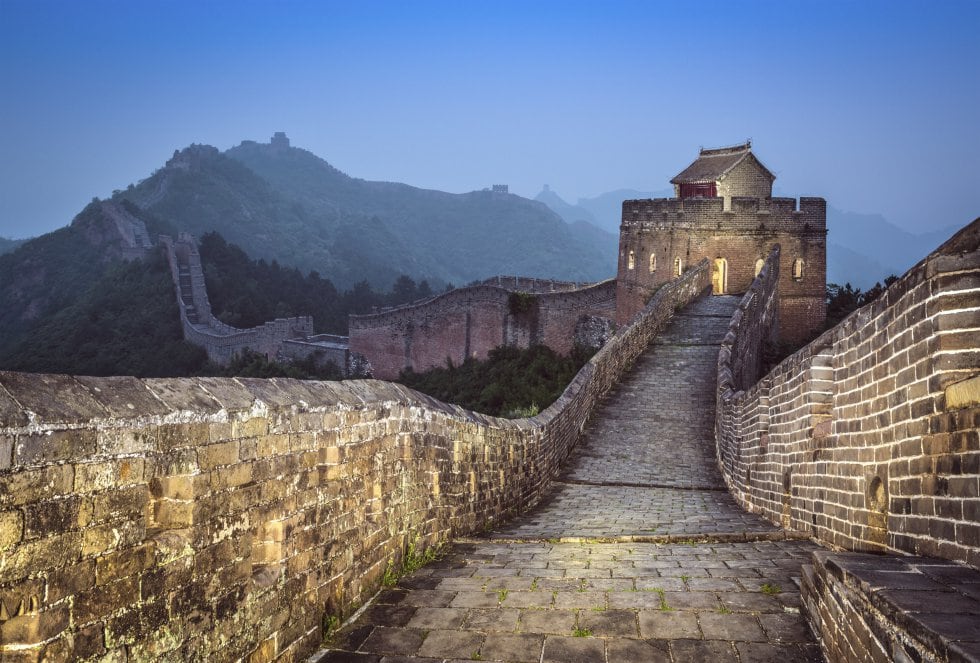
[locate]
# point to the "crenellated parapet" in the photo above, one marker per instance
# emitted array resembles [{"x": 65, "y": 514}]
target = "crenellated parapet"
[
  {"x": 223, "y": 342},
  {"x": 866, "y": 437},
  {"x": 808, "y": 215},
  {"x": 659, "y": 238}
]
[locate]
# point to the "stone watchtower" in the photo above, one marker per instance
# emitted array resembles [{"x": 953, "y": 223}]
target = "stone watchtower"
[{"x": 723, "y": 210}]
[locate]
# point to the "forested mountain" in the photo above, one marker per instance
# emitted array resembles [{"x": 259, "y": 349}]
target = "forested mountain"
[
  {"x": 47, "y": 274},
  {"x": 284, "y": 203},
  {"x": 8, "y": 245},
  {"x": 70, "y": 302}
]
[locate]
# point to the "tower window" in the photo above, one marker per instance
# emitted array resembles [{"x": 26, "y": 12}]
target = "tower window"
[
  {"x": 631, "y": 261},
  {"x": 653, "y": 262},
  {"x": 798, "y": 269},
  {"x": 678, "y": 266}
]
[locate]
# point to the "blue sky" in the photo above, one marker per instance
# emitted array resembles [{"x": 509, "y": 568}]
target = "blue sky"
[{"x": 872, "y": 105}]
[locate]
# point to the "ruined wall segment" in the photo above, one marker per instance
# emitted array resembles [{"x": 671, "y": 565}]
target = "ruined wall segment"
[
  {"x": 868, "y": 436},
  {"x": 469, "y": 322},
  {"x": 226, "y": 519}
]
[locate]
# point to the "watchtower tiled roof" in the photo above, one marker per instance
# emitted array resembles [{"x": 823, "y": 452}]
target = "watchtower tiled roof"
[{"x": 713, "y": 165}]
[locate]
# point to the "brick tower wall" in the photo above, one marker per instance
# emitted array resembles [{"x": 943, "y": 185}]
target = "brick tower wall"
[{"x": 696, "y": 228}]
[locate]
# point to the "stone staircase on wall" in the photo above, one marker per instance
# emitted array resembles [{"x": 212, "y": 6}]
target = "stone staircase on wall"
[{"x": 185, "y": 288}]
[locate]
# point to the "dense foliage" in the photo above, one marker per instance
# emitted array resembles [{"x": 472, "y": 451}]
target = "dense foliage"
[
  {"x": 511, "y": 382},
  {"x": 42, "y": 277},
  {"x": 842, "y": 300},
  {"x": 245, "y": 292},
  {"x": 124, "y": 323}
]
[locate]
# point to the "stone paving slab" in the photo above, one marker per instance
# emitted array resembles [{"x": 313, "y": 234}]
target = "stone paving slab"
[
  {"x": 754, "y": 613},
  {"x": 657, "y": 426},
  {"x": 583, "y": 510}
]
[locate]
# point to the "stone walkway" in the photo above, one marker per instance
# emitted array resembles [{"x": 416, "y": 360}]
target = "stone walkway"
[{"x": 636, "y": 554}]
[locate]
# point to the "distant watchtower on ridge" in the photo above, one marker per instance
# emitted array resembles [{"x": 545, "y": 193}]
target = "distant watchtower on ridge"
[
  {"x": 279, "y": 139},
  {"x": 723, "y": 210}
]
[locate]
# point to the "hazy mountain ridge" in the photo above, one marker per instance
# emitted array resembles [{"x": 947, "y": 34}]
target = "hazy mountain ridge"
[
  {"x": 604, "y": 211},
  {"x": 449, "y": 237},
  {"x": 8, "y": 245},
  {"x": 873, "y": 247}
]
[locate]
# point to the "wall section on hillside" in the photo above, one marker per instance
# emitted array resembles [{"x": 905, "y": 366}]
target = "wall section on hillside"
[
  {"x": 470, "y": 322},
  {"x": 282, "y": 339},
  {"x": 868, "y": 436},
  {"x": 214, "y": 519}
]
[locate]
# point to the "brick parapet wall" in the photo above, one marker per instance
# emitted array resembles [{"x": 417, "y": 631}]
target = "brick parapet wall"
[
  {"x": 868, "y": 436},
  {"x": 532, "y": 284},
  {"x": 470, "y": 322},
  {"x": 215, "y": 519}
]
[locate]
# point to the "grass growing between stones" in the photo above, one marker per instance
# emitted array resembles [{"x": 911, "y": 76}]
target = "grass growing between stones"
[
  {"x": 411, "y": 562},
  {"x": 330, "y": 625},
  {"x": 770, "y": 589},
  {"x": 582, "y": 632}
]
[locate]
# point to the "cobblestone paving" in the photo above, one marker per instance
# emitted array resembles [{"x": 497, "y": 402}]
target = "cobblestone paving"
[
  {"x": 636, "y": 514},
  {"x": 637, "y": 554}
]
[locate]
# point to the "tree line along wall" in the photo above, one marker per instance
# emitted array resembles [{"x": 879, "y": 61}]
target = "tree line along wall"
[
  {"x": 216, "y": 519},
  {"x": 868, "y": 436},
  {"x": 655, "y": 234},
  {"x": 471, "y": 321}
]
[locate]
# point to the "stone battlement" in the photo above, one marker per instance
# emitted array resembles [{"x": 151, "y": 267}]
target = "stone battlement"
[
  {"x": 222, "y": 341},
  {"x": 867, "y": 437},
  {"x": 748, "y": 214}
]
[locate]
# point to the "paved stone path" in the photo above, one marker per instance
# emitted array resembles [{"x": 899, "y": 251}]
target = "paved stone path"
[{"x": 637, "y": 553}]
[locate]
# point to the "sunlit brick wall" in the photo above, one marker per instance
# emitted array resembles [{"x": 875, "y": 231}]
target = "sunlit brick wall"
[{"x": 868, "y": 437}]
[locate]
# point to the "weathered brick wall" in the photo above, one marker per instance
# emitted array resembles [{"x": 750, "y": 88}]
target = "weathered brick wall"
[
  {"x": 215, "y": 519},
  {"x": 868, "y": 436},
  {"x": 471, "y": 321},
  {"x": 696, "y": 228},
  {"x": 747, "y": 179}
]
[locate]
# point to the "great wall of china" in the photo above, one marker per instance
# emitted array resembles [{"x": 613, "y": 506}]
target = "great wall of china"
[
  {"x": 223, "y": 519},
  {"x": 283, "y": 339},
  {"x": 674, "y": 504}
]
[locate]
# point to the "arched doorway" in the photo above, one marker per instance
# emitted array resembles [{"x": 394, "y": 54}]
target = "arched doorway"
[{"x": 719, "y": 277}]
